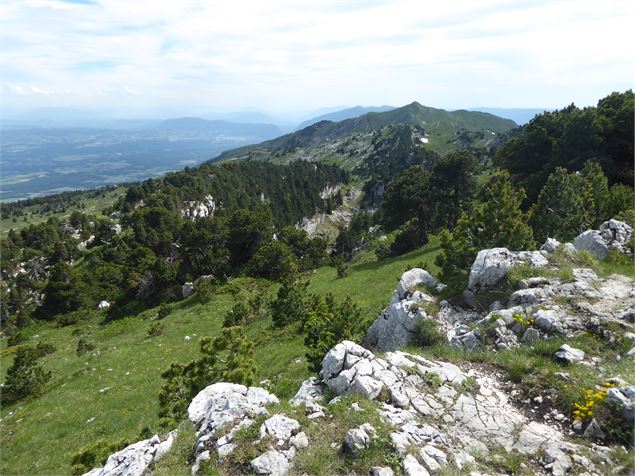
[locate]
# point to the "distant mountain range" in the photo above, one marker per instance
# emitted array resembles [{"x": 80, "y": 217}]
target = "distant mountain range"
[
  {"x": 517, "y": 114},
  {"x": 441, "y": 128}
]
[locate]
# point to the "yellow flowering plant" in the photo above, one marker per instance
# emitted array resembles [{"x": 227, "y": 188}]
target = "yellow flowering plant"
[
  {"x": 525, "y": 320},
  {"x": 584, "y": 408}
]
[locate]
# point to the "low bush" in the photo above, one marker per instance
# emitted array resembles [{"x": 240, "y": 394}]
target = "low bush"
[
  {"x": 25, "y": 377},
  {"x": 94, "y": 455},
  {"x": 44, "y": 348},
  {"x": 156, "y": 329},
  {"x": 84, "y": 346}
]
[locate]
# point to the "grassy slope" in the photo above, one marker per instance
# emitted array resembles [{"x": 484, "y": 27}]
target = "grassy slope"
[
  {"x": 94, "y": 206},
  {"x": 130, "y": 363}
]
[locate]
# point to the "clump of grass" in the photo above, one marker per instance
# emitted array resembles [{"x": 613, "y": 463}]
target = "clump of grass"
[{"x": 428, "y": 333}]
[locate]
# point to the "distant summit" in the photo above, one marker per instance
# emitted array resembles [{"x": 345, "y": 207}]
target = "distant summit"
[
  {"x": 443, "y": 130},
  {"x": 344, "y": 114}
]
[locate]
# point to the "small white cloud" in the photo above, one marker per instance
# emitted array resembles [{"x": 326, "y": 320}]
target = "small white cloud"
[
  {"x": 128, "y": 90},
  {"x": 38, "y": 90}
]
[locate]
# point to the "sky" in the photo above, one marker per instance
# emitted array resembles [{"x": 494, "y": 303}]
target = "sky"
[{"x": 146, "y": 57}]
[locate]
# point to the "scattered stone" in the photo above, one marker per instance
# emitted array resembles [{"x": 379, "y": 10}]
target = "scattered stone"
[
  {"x": 381, "y": 471},
  {"x": 299, "y": 441},
  {"x": 569, "y": 355},
  {"x": 356, "y": 440},
  {"x": 593, "y": 431},
  {"x": 411, "y": 467},
  {"x": 624, "y": 398},
  {"x": 397, "y": 324},
  {"x": 272, "y": 463},
  {"x": 187, "y": 289},
  {"x": 280, "y": 427},
  {"x": 550, "y": 245},
  {"x": 531, "y": 335},
  {"x": 310, "y": 391},
  {"x": 491, "y": 265}
]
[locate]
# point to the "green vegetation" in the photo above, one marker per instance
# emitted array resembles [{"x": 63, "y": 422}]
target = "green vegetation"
[
  {"x": 33, "y": 211},
  {"x": 129, "y": 365}
]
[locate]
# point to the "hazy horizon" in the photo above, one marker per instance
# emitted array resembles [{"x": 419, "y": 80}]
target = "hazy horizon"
[{"x": 290, "y": 60}]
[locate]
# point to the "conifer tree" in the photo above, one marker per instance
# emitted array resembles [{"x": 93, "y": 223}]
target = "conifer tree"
[{"x": 496, "y": 221}]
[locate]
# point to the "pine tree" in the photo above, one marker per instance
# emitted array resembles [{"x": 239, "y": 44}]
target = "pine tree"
[
  {"x": 226, "y": 358},
  {"x": 496, "y": 221},
  {"x": 25, "y": 377}
]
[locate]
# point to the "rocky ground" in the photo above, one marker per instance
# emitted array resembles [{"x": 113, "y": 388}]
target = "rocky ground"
[{"x": 434, "y": 416}]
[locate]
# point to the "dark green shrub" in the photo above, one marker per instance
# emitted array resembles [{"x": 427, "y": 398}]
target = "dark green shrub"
[
  {"x": 44, "y": 348},
  {"x": 290, "y": 305},
  {"x": 164, "y": 311},
  {"x": 156, "y": 329},
  {"x": 205, "y": 290},
  {"x": 94, "y": 455},
  {"x": 84, "y": 346},
  {"x": 342, "y": 269},
  {"x": 226, "y": 358},
  {"x": 70, "y": 318},
  {"x": 329, "y": 322},
  {"x": 25, "y": 377}
]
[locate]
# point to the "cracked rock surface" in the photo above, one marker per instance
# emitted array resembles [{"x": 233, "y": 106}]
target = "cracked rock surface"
[{"x": 441, "y": 410}]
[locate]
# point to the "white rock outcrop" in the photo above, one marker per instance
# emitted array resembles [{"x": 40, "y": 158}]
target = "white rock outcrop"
[
  {"x": 491, "y": 265},
  {"x": 397, "y": 324},
  {"x": 202, "y": 209},
  {"x": 134, "y": 460},
  {"x": 612, "y": 235}
]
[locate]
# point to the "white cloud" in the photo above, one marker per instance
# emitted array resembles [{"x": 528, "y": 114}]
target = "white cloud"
[{"x": 287, "y": 55}]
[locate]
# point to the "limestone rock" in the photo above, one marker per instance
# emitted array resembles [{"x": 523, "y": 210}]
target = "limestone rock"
[
  {"x": 624, "y": 398},
  {"x": 550, "y": 245},
  {"x": 135, "y": 459},
  {"x": 415, "y": 277},
  {"x": 397, "y": 324},
  {"x": 569, "y": 355},
  {"x": 381, "y": 471},
  {"x": 310, "y": 391},
  {"x": 412, "y": 467},
  {"x": 356, "y": 440},
  {"x": 222, "y": 402},
  {"x": 491, "y": 265},
  {"x": 272, "y": 462},
  {"x": 593, "y": 431},
  {"x": 280, "y": 427},
  {"x": 187, "y": 289},
  {"x": 613, "y": 234}
]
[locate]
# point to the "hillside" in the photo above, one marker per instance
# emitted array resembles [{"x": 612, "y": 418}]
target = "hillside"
[
  {"x": 443, "y": 130},
  {"x": 344, "y": 114}
]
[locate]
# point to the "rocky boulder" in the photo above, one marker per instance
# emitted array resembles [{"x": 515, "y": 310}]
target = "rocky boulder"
[
  {"x": 612, "y": 235},
  {"x": 134, "y": 460},
  {"x": 397, "y": 325},
  {"x": 491, "y": 265},
  {"x": 569, "y": 355}
]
